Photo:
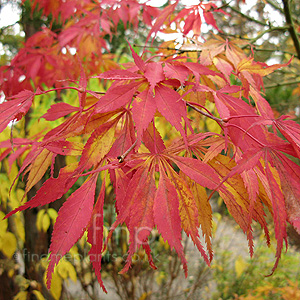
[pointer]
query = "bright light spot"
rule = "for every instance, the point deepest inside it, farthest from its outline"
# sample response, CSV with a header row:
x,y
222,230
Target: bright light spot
x,y
155,3
72,50
2,97
190,2
10,14
159,3
21,78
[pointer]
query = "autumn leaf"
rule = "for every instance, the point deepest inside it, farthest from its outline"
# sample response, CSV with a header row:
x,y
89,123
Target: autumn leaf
x,y
166,215
59,110
72,220
95,235
15,108
51,190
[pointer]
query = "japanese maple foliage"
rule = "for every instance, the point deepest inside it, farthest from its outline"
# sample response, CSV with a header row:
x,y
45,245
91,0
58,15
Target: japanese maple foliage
x,y
158,183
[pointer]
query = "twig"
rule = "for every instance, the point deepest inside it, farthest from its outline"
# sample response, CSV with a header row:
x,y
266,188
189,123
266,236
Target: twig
x,y
123,156
281,84
283,28
235,36
277,49
294,18
247,17
274,5
11,137
180,51
224,5
99,93
292,30
218,120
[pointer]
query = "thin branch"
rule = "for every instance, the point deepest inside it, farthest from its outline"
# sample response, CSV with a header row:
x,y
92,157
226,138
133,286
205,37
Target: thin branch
x,y
277,49
274,5
294,18
274,85
247,17
223,5
123,156
180,51
292,30
218,120
282,28
235,36
99,93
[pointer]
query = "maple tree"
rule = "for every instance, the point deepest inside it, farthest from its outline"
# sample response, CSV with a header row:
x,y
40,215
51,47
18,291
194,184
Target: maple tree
x,y
115,129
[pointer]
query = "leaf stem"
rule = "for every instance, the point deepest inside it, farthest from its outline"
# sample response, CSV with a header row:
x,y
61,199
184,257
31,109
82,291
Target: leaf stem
x,y
218,120
240,116
59,89
100,93
123,156
246,132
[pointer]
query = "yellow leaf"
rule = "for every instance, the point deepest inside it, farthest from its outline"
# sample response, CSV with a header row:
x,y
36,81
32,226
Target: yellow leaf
x,y
52,214
100,142
187,205
45,222
39,219
38,168
204,211
38,295
66,270
235,185
3,223
4,188
11,273
240,266
12,171
21,296
145,295
5,134
213,126
87,278
71,159
160,278
165,244
20,230
56,285
36,128
8,244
